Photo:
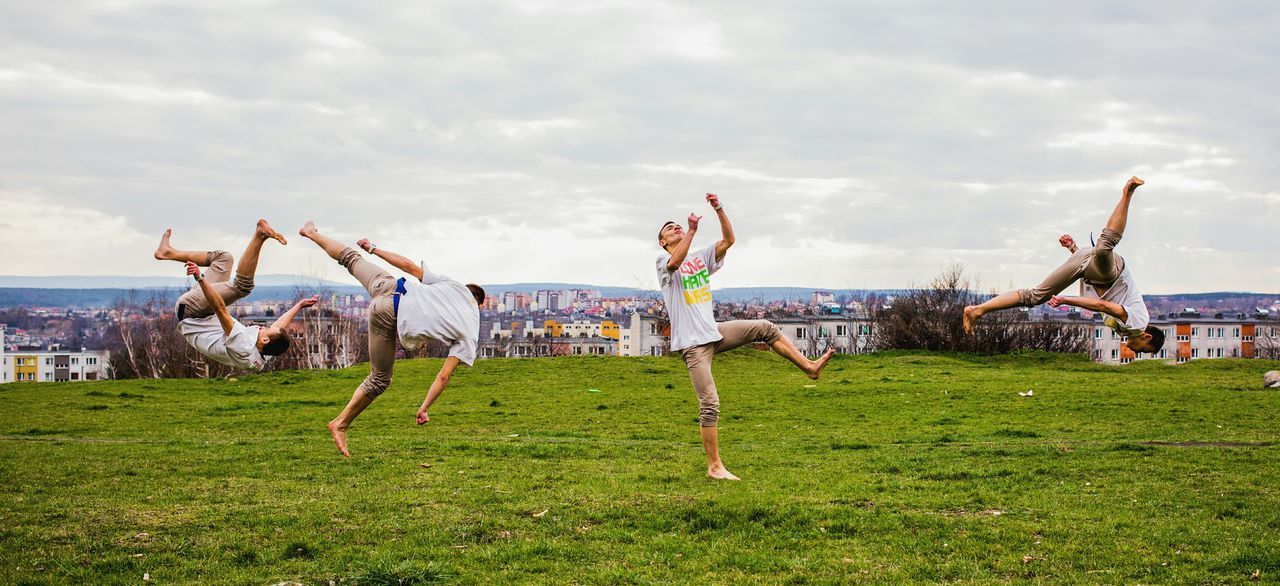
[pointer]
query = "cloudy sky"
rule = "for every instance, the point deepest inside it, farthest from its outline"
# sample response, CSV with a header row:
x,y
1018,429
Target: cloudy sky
x,y
537,140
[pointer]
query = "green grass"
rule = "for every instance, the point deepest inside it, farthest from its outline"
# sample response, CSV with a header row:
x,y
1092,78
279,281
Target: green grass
x,y
894,468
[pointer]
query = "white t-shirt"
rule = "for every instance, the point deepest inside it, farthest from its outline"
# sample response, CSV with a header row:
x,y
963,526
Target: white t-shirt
x,y
687,292
1125,293
439,308
238,349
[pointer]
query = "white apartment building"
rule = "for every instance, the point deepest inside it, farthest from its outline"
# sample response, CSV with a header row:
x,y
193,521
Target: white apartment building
x,y
1192,337
40,366
643,336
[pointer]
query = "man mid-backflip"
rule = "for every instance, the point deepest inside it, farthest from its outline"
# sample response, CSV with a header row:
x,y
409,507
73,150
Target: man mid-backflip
x,y
413,310
1108,285
686,288
202,313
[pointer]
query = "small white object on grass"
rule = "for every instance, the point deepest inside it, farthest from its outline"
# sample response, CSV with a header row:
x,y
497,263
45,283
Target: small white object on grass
x,y
1271,380
1029,393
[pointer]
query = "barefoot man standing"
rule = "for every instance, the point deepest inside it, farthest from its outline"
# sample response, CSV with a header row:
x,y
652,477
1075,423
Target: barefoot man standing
x,y
686,289
202,312
427,306
1109,287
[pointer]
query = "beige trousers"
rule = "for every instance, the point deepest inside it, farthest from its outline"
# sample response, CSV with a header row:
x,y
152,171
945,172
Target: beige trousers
x,y
1098,266
698,360
382,320
193,304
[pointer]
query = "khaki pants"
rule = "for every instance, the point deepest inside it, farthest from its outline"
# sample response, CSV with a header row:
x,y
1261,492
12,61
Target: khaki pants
x,y
698,360
382,320
193,303
1098,266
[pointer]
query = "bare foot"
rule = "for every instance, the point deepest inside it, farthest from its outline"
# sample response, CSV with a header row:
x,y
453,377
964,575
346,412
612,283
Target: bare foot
x,y
266,231
721,473
339,437
970,316
309,229
1132,184
165,250
821,363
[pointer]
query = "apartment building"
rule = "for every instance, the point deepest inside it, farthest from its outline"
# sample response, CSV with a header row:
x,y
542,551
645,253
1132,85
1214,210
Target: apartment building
x,y
1191,336
52,365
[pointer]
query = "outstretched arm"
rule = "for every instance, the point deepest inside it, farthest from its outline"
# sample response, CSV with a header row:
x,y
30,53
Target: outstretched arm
x,y
219,306
1112,309
681,249
726,229
395,260
283,321
437,387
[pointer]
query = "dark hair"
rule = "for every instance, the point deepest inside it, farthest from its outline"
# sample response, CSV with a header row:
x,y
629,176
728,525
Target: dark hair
x,y
1157,339
477,292
278,345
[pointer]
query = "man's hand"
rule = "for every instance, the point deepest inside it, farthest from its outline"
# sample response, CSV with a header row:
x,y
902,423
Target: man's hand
x,y
1067,241
365,245
422,416
308,302
193,269
693,222
714,200
1056,301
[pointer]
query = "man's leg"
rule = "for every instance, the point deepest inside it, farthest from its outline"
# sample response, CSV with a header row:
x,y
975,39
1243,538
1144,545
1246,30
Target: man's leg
x,y
382,359
1105,267
248,266
698,360
370,275
1061,278
741,332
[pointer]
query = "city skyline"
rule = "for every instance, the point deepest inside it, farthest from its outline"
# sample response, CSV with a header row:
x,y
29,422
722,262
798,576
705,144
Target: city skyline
x,y
514,141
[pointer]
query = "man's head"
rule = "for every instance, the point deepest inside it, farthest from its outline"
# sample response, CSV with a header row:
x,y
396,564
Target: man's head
x,y
477,292
1150,341
273,341
670,235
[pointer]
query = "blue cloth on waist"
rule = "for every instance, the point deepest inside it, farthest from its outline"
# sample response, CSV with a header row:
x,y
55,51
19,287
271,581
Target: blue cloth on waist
x,y
395,297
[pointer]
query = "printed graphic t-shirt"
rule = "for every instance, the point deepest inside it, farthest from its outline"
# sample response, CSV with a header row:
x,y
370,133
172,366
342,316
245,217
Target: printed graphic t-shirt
x,y
439,308
238,349
687,292
1125,293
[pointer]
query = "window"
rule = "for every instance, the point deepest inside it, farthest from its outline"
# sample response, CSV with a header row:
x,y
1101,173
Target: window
x,y
75,376
842,330
799,333
1114,353
1184,338
1097,354
1162,352
91,360
48,376
75,360
864,330
1247,338
1235,332
48,360
1097,333
1195,331
1182,359
1195,352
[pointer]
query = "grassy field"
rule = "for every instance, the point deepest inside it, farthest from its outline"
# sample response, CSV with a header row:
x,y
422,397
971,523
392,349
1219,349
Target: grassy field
x,y
893,468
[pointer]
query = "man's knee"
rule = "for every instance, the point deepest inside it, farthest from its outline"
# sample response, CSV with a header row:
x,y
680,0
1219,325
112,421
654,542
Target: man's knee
x,y
709,413
1032,297
220,260
243,284
1108,239
375,384
768,332
348,257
